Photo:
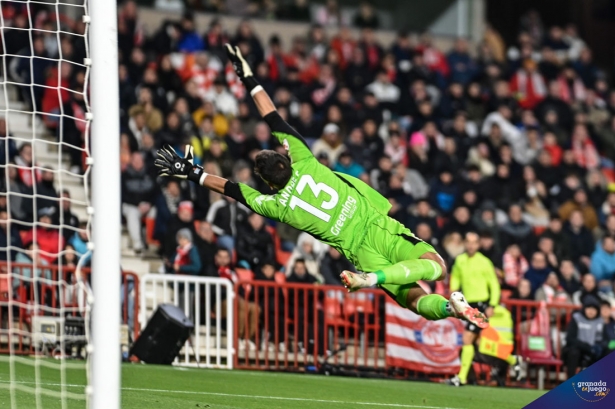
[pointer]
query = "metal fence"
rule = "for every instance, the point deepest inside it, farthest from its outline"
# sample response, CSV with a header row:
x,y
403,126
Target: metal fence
x,y
51,292
208,302
301,327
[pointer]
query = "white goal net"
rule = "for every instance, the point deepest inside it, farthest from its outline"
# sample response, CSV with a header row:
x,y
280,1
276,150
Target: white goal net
x,y
45,210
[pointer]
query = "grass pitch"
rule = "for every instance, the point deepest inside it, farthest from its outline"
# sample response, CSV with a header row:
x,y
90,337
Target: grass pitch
x,y
150,387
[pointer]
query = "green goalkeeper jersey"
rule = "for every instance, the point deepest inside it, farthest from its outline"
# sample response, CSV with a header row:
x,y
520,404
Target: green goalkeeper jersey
x,y
334,208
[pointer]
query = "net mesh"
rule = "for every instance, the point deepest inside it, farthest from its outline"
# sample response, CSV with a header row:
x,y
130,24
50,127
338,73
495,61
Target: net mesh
x,y
45,213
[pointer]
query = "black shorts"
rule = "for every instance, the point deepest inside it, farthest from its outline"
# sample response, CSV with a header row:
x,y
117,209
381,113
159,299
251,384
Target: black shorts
x,y
481,306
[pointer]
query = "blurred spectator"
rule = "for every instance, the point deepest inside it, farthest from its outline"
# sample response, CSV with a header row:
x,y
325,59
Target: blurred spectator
x,y
561,241
545,246
463,68
311,251
254,244
366,17
184,219
225,216
48,240
166,207
272,312
8,149
529,85
522,292
288,236
581,241
9,236
145,106
65,216
29,172
138,194
47,196
190,40
224,101
588,289
332,264
329,143
569,277
346,164
551,291
603,261
608,339
583,337
247,311
515,266
538,271
608,208
516,230
187,260
205,243
580,203
23,276
79,242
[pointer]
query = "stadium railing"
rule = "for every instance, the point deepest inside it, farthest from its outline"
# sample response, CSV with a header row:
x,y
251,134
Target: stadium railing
x,y
56,291
208,302
548,362
300,327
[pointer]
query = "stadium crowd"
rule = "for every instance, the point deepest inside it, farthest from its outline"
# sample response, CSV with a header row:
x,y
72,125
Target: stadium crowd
x,y
515,142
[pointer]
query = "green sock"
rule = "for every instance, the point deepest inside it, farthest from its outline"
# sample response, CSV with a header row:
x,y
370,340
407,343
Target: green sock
x,y
467,356
433,307
409,271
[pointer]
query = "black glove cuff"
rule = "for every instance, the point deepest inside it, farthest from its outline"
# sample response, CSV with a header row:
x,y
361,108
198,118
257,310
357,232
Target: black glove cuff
x,y
195,174
250,83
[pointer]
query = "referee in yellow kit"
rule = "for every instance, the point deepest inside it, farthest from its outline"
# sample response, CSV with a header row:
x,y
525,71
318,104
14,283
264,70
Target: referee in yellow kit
x,y
474,274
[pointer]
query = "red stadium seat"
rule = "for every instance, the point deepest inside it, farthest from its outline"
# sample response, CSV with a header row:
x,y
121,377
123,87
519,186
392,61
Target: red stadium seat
x,y
244,274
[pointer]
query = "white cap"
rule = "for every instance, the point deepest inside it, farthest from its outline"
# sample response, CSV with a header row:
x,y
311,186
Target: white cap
x,y
331,128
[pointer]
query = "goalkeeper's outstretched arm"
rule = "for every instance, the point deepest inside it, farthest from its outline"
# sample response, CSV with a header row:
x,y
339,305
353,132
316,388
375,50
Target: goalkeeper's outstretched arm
x,y
169,163
286,134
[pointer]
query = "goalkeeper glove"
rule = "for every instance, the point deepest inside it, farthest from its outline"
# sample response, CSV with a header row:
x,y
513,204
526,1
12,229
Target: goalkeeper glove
x,y
169,163
242,68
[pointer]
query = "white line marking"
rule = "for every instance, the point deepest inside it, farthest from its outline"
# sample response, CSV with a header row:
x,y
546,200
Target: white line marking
x,y
391,405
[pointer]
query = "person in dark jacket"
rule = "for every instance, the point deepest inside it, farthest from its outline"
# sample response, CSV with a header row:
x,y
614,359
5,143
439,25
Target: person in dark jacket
x,y
443,192
254,242
583,337
184,219
205,242
608,338
138,194
332,263
225,216
9,236
561,241
581,241
272,312
66,216
516,230
538,272
47,196
303,298
568,277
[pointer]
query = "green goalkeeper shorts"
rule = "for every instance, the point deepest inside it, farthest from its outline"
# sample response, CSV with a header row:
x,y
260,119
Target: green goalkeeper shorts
x,y
388,242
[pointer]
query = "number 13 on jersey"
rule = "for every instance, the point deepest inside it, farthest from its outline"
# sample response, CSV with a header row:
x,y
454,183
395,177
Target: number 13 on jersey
x,y
316,188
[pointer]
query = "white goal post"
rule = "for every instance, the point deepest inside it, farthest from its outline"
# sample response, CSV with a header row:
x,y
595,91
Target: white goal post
x,y
104,382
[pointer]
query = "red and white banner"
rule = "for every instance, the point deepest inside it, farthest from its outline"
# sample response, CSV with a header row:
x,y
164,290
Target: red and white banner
x,y
414,343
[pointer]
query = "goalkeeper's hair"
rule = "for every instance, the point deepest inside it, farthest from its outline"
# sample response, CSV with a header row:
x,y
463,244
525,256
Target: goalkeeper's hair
x,y
273,167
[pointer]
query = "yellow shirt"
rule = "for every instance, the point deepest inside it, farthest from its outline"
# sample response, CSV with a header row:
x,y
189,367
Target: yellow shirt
x,y
475,277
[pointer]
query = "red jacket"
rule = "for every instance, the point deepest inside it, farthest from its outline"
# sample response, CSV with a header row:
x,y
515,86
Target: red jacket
x,y
50,242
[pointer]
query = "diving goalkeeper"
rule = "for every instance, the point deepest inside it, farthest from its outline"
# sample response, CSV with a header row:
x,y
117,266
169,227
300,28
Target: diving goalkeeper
x,y
335,208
